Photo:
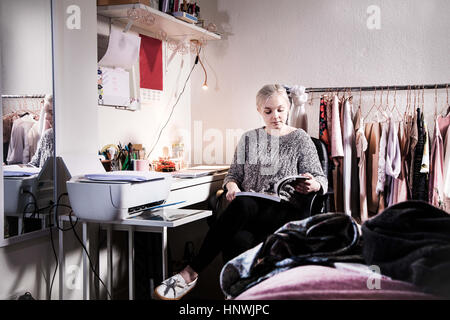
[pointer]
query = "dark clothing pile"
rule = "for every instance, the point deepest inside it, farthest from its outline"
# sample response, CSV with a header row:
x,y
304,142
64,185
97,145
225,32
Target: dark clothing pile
x,y
321,240
410,241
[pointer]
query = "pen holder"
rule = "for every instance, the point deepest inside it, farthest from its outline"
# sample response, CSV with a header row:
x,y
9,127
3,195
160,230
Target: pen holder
x,y
141,165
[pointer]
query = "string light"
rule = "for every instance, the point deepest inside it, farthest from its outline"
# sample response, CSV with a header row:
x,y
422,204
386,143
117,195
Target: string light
x,y
198,45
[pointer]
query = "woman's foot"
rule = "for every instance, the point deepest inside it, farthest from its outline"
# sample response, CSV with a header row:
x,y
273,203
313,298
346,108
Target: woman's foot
x,y
189,274
177,286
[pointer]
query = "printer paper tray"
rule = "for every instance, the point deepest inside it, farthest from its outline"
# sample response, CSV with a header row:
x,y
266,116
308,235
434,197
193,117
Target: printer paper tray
x,y
175,218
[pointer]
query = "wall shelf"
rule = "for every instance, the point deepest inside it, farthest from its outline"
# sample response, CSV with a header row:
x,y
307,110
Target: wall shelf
x,y
173,27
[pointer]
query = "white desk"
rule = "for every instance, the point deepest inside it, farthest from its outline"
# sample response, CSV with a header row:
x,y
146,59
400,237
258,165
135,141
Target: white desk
x,y
191,191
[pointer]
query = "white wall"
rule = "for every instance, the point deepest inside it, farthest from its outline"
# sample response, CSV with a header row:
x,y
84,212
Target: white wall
x,y
75,79
144,125
25,42
316,43
29,265
26,69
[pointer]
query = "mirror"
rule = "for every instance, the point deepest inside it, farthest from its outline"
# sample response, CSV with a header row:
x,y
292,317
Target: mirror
x,y
27,112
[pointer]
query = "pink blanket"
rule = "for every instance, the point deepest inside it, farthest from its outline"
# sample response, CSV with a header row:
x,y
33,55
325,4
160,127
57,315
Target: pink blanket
x,y
319,282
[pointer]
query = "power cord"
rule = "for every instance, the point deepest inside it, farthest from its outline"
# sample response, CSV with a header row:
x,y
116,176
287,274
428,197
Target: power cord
x,y
36,209
72,227
173,108
51,238
89,257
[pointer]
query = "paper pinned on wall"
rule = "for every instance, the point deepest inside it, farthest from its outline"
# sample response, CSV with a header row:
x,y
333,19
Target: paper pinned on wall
x,y
123,49
115,87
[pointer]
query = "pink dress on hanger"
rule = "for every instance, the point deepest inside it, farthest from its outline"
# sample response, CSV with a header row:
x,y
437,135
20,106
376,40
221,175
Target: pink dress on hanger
x,y
443,123
337,149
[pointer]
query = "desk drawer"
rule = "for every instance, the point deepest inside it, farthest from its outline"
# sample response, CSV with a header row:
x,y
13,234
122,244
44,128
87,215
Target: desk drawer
x,y
193,194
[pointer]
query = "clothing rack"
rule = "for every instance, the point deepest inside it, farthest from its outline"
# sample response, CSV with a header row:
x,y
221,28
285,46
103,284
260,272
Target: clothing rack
x,y
379,88
25,103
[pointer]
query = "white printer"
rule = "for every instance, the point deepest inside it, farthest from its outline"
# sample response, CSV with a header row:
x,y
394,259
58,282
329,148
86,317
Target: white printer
x,y
112,196
23,186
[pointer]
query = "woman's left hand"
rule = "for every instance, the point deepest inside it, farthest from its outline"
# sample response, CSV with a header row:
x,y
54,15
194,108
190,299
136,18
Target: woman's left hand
x,y
308,185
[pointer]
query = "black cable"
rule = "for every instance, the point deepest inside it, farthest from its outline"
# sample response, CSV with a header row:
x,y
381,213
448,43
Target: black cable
x,y
78,238
51,236
173,108
53,244
57,264
33,213
89,257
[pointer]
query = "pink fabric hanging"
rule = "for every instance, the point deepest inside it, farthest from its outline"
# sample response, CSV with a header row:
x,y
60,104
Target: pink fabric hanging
x,y
436,187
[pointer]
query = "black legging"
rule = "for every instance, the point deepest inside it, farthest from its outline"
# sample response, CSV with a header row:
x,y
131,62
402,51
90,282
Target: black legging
x,y
257,216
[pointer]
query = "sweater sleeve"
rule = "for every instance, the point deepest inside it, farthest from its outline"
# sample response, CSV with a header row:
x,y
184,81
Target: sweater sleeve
x,y
236,171
308,161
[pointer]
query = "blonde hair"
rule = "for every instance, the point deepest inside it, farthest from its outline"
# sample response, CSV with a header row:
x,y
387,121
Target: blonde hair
x,y
48,103
269,90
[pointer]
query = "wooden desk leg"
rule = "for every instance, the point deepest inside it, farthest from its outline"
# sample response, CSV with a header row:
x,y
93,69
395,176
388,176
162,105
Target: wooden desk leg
x,y
164,252
109,277
62,261
86,271
131,262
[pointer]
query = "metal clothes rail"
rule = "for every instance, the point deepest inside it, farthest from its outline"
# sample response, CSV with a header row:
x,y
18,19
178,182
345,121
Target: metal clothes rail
x,y
379,88
25,96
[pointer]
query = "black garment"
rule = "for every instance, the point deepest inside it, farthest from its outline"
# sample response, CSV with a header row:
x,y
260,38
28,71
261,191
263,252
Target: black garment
x,y
325,235
318,240
410,241
251,219
420,180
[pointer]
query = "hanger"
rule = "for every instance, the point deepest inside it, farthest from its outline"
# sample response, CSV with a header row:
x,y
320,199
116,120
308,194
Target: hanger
x,y
387,99
423,97
311,99
381,111
435,103
408,100
360,98
448,105
415,99
395,106
373,105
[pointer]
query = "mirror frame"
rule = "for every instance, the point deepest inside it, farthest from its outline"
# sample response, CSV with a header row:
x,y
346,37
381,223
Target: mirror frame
x,y
43,232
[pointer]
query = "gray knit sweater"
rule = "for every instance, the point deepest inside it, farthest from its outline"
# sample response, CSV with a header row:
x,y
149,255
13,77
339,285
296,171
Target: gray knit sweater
x,y
261,159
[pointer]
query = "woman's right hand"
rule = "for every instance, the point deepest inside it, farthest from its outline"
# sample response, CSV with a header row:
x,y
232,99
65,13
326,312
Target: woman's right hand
x,y
232,188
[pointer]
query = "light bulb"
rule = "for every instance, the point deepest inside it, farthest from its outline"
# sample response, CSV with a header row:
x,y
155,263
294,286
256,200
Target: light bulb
x,y
205,86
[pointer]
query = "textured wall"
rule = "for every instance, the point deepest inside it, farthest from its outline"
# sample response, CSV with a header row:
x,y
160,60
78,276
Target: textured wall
x,y
316,43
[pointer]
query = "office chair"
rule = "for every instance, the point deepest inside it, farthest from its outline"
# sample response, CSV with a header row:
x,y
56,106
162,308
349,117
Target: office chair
x,y
315,204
